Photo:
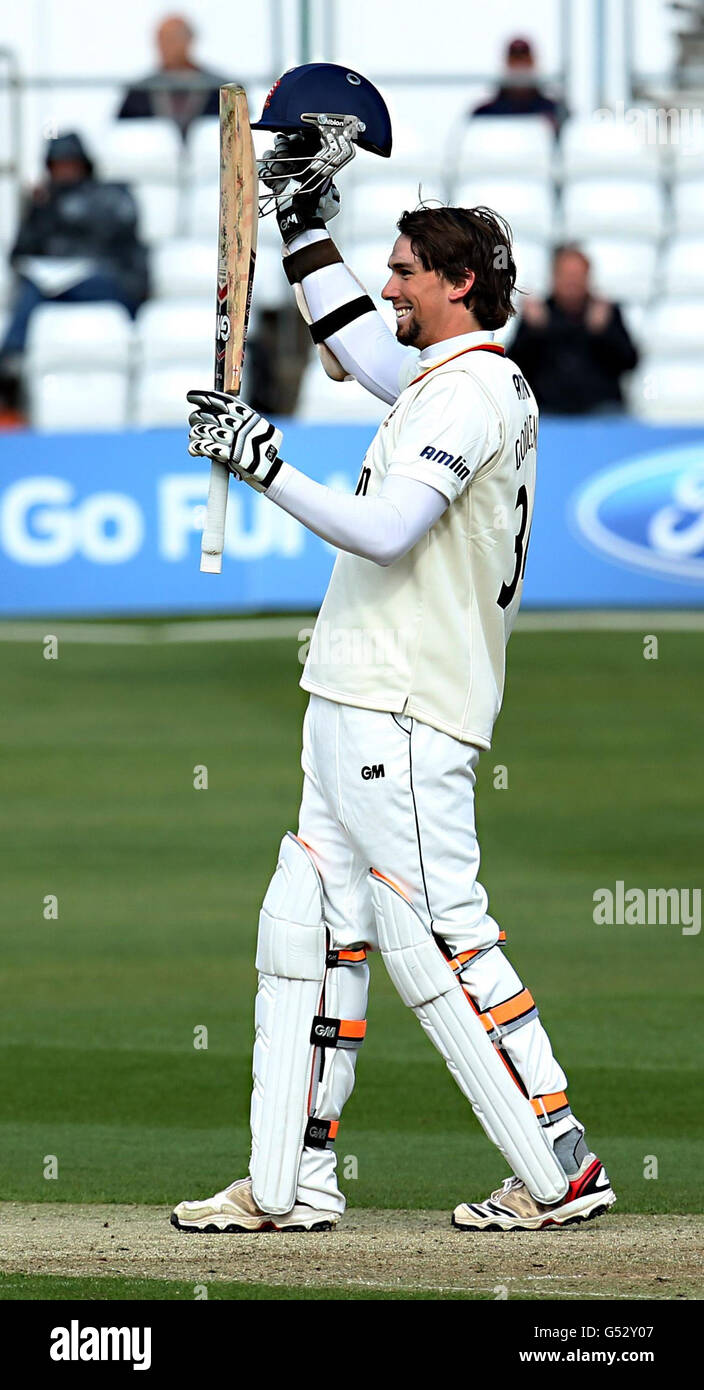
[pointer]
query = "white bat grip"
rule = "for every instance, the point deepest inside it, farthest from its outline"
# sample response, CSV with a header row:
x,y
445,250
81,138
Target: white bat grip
x,y
213,541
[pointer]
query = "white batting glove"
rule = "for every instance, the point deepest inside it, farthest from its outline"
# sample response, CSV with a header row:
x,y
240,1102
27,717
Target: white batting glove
x,y
223,427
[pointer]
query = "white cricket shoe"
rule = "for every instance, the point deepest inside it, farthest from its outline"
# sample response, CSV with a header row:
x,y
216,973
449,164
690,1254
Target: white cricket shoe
x,y
235,1210
512,1207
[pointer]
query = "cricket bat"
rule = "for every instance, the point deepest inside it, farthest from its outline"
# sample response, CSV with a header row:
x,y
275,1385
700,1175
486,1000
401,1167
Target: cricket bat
x,y
237,246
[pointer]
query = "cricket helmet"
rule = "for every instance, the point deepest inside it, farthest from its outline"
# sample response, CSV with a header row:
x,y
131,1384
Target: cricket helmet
x,y
307,94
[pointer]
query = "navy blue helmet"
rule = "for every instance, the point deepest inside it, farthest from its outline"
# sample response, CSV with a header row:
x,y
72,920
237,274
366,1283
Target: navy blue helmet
x,y
328,89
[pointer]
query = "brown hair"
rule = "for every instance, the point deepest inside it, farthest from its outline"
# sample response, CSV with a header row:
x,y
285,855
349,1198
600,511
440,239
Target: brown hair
x,y
452,241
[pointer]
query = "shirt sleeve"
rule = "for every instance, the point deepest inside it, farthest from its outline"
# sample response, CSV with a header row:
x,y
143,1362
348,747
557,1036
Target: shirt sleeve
x,y
381,528
366,348
451,430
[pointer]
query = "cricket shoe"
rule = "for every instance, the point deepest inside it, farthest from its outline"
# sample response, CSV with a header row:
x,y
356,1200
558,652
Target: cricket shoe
x,y
234,1210
512,1207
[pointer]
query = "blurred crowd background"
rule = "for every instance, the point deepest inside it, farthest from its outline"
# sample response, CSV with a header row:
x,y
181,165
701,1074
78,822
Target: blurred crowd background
x,y
580,123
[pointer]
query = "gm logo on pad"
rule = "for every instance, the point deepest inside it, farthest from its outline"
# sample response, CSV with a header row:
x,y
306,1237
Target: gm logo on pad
x,y
648,513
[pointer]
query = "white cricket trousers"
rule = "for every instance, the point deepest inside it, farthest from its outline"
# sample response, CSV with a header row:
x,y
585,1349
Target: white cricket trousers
x,y
388,792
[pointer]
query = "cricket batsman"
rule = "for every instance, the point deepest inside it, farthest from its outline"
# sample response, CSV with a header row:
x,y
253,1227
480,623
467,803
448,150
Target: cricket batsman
x,y
425,590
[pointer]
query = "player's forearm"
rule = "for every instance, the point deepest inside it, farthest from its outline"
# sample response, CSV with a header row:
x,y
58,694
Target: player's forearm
x,y
357,334
381,528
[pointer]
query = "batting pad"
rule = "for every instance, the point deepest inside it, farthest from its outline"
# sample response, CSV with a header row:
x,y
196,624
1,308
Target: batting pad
x,y
291,963
428,985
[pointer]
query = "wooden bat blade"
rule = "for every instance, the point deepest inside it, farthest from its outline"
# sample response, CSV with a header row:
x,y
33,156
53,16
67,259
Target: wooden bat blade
x,y
237,246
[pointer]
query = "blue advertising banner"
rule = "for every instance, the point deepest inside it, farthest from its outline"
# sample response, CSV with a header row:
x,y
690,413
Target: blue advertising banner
x,y
100,524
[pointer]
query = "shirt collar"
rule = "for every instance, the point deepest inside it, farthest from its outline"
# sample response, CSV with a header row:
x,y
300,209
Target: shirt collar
x,y
450,346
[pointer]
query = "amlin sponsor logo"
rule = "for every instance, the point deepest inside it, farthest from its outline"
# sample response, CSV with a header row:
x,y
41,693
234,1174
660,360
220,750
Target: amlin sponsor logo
x,y
648,513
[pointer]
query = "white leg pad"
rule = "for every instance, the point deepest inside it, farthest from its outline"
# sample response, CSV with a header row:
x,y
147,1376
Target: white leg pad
x,y
291,964
426,982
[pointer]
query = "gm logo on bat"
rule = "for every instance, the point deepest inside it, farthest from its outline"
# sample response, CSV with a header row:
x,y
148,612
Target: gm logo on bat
x,y
223,327
648,513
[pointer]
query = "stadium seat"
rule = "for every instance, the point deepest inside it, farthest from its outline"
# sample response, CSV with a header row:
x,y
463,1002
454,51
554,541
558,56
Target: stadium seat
x,y
373,205
184,269
622,268
70,336
369,262
142,151
160,395
600,147
501,145
676,327
79,400
687,150
320,398
159,211
688,206
203,150
683,266
202,208
181,332
593,207
668,390
533,267
526,204
635,317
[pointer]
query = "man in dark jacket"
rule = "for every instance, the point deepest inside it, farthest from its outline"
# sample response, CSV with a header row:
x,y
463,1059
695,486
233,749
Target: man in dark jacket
x,y
77,242
160,95
519,93
574,347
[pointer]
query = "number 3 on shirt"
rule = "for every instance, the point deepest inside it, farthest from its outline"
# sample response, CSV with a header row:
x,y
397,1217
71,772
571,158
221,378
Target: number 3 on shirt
x,y
521,550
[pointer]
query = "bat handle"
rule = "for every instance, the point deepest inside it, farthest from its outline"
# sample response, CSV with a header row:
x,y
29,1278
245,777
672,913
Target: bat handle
x,y
213,540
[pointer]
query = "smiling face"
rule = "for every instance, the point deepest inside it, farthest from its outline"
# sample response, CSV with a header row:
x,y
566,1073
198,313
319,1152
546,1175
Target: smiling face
x,y
428,307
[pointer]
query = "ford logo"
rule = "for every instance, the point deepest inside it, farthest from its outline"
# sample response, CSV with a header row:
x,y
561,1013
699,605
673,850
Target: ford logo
x,y
648,513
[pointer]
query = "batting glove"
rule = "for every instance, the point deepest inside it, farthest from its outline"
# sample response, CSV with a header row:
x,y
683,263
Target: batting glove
x,y
298,171
224,428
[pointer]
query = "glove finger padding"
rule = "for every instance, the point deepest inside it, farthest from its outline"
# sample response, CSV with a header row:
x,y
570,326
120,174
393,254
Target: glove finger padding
x,y
211,402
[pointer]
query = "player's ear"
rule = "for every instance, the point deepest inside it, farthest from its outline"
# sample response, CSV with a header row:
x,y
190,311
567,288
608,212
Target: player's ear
x,y
462,287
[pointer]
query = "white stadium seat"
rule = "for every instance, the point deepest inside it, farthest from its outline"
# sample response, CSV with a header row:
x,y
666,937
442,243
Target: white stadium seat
x,y
533,267
676,327
374,205
79,400
202,211
159,210
171,331
184,269
526,204
506,145
607,146
594,207
635,317
322,399
670,389
683,266
203,150
142,151
687,150
622,268
688,206
160,395
70,336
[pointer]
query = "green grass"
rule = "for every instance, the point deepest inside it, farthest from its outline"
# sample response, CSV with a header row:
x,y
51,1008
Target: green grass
x,y
159,887
25,1287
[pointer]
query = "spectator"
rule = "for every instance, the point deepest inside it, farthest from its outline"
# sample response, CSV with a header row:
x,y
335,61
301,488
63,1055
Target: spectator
x,y
519,94
156,95
574,347
77,242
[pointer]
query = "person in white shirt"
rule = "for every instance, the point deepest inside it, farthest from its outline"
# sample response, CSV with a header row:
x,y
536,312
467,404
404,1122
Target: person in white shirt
x,y
406,675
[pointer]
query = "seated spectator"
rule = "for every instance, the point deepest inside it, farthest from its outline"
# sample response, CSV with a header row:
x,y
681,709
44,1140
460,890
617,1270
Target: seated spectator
x,y
574,347
156,95
77,242
519,94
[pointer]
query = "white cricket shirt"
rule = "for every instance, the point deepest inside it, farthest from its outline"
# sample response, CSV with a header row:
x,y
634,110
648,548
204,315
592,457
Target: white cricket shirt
x,y
426,636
